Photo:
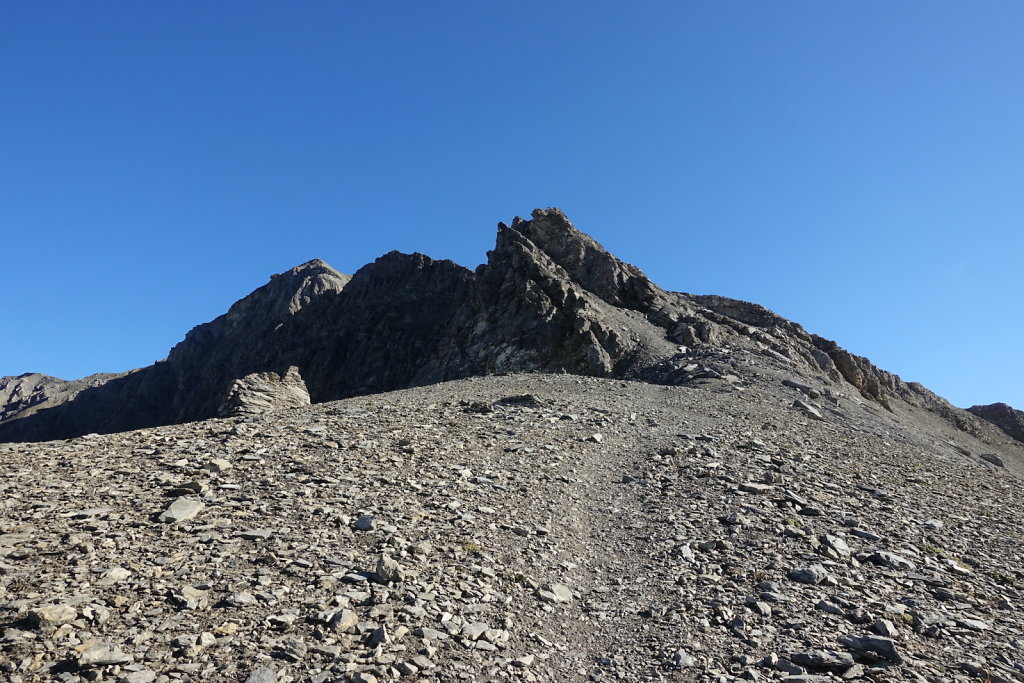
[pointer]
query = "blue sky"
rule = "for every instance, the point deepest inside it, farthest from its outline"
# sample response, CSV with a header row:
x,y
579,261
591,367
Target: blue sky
x,y
854,166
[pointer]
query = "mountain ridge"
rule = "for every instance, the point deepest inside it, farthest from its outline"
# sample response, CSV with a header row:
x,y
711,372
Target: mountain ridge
x,y
549,298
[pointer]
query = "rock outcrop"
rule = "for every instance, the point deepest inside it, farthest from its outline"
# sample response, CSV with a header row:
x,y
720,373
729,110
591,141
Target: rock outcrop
x,y
1003,416
261,392
548,299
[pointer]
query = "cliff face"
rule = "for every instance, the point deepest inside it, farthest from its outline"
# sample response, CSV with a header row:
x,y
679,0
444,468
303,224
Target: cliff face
x,y
548,299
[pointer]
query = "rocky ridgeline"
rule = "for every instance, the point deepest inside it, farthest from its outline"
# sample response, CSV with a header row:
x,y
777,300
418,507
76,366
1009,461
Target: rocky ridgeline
x,y
534,527
549,299
1003,416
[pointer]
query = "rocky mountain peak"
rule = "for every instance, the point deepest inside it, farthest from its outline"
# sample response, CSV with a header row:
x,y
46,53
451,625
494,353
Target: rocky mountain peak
x,y
549,299
585,261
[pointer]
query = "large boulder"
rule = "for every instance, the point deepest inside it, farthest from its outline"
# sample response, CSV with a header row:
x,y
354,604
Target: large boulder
x,y
260,392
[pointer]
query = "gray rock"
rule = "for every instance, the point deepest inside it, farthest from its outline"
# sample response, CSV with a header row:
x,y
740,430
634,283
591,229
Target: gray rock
x,y
388,571
262,674
812,574
883,647
823,659
555,592
181,510
365,523
49,617
884,558
102,654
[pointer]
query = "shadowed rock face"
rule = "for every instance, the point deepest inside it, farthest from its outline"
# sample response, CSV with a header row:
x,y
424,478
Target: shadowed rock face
x,y
1003,416
31,392
548,299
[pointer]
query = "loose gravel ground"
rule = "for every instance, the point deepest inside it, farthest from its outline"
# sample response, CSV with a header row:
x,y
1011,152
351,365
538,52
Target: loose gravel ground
x,y
532,527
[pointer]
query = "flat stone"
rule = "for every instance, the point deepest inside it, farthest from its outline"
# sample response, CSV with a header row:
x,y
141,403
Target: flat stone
x,y
475,630
884,558
52,616
883,647
103,654
555,592
823,659
262,674
255,534
365,523
812,574
181,510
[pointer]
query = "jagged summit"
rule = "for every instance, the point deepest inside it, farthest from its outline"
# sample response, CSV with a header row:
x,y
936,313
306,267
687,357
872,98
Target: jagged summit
x,y
549,299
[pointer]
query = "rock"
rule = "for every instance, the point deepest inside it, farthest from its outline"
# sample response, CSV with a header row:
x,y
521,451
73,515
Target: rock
x,y
812,574
255,534
49,617
262,674
555,592
884,558
365,523
218,465
681,660
102,654
260,392
388,571
808,410
523,662
883,647
181,510
823,659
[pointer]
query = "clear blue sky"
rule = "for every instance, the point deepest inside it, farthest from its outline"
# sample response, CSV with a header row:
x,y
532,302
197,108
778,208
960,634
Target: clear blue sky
x,y
855,166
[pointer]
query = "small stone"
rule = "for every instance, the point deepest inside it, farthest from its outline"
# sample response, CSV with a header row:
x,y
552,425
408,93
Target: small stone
x,y
255,534
823,659
50,617
883,647
475,630
813,574
181,510
217,465
555,592
595,438
365,523
884,558
388,571
262,675
681,660
103,654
